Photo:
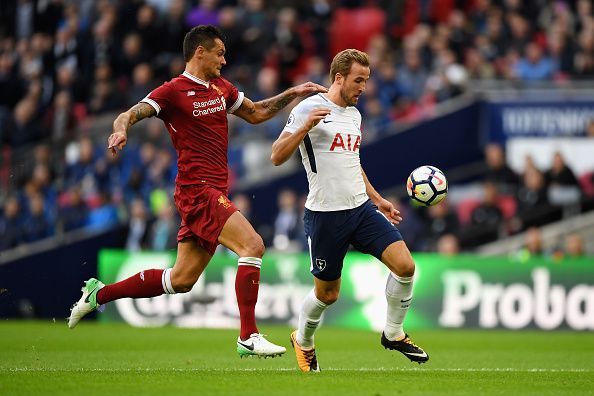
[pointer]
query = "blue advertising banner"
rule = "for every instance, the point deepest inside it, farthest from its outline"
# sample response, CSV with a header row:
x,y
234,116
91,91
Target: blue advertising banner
x,y
553,118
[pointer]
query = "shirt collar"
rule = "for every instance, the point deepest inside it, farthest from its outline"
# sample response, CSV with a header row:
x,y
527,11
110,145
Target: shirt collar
x,y
196,79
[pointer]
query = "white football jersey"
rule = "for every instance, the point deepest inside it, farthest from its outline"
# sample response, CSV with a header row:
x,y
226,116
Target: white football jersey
x,y
330,155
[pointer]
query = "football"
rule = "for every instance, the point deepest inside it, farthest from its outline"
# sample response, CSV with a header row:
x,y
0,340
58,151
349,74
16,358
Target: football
x,y
427,186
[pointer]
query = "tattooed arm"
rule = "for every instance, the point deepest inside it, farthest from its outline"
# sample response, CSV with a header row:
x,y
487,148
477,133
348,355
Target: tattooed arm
x,y
117,140
263,110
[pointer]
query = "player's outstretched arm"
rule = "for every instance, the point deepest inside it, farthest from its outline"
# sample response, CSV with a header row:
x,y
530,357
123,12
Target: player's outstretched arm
x,y
287,142
385,206
118,138
263,110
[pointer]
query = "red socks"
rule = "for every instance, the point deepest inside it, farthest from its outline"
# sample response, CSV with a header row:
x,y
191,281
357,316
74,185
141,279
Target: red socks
x,y
154,282
148,283
247,283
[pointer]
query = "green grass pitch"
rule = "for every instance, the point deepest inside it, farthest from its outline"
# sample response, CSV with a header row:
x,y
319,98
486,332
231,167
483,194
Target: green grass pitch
x,y
115,359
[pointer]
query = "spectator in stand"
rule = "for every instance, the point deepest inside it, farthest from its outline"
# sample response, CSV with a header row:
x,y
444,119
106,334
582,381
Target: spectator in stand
x,y
560,174
71,81
563,186
12,86
534,208
173,29
36,225
376,121
104,95
267,83
498,172
41,155
561,49
142,82
533,245
25,127
386,85
441,220
105,215
519,31
412,228
315,72
534,66
149,28
486,220
488,214
584,58
529,165
74,214
289,47
448,245
11,224
205,13
255,37
412,75
317,14
287,224
139,226
42,181
231,25
133,53
80,166
66,47
574,246
108,173
101,47
244,205
161,171
60,119
163,232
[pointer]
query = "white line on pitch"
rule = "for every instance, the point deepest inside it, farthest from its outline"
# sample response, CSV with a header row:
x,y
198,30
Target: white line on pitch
x,y
361,369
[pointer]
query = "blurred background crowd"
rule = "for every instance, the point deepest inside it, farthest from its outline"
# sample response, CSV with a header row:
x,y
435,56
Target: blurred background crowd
x,y
68,67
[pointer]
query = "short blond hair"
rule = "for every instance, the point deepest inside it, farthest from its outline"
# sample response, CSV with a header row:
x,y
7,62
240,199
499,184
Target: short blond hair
x,y
343,61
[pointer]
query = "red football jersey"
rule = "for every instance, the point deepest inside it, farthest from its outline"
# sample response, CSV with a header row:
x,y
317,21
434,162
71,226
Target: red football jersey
x,y
195,114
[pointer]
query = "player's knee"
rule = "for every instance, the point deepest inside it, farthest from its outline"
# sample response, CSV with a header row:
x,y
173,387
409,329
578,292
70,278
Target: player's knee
x,y
327,296
183,284
254,247
406,268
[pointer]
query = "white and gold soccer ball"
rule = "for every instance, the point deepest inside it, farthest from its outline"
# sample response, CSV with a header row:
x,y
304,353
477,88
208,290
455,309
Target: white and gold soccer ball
x,y
427,186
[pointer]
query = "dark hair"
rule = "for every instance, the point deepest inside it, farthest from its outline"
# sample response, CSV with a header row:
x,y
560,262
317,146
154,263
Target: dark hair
x,y
203,35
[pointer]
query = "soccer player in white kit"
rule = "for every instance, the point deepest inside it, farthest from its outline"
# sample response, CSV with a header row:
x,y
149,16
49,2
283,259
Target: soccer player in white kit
x,y
343,208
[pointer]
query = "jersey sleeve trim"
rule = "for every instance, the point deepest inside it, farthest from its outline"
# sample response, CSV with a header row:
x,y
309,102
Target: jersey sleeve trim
x,y
237,103
154,104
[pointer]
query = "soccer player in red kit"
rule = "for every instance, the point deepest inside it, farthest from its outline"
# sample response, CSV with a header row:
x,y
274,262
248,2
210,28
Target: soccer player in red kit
x,y
194,107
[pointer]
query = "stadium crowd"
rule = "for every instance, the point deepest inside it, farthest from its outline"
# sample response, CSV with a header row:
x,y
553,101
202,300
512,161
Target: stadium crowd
x,y
65,64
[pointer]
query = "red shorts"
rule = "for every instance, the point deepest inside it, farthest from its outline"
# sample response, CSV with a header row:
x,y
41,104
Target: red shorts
x,y
204,210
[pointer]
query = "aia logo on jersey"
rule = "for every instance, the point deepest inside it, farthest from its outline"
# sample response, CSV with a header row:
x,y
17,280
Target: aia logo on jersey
x,y
346,142
224,201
